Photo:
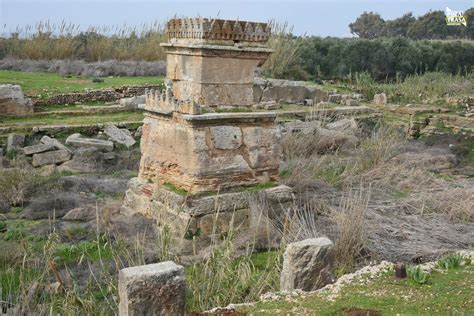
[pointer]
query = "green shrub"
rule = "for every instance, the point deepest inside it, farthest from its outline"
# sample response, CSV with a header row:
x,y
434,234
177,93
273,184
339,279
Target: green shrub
x,y
417,275
451,261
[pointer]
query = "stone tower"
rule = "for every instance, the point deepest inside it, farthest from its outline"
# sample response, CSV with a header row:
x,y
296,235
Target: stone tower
x,y
197,159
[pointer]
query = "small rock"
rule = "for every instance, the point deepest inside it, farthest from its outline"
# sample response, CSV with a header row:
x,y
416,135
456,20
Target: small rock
x,y
121,136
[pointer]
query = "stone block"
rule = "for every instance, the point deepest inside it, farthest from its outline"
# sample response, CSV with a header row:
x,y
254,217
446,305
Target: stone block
x,y
223,222
210,152
56,143
77,141
51,158
35,149
154,289
226,137
15,142
380,99
307,265
13,102
334,98
352,102
120,135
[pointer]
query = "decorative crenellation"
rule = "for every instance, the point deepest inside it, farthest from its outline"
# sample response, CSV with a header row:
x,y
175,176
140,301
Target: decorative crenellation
x,y
166,103
218,29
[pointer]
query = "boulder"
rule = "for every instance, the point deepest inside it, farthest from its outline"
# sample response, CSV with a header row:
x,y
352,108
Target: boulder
x,y
13,102
54,142
80,214
35,149
380,99
15,142
343,125
307,265
77,140
120,135
51,158
154,289
329,140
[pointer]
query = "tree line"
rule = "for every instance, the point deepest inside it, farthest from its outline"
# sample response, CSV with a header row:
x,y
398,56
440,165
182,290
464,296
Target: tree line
x,y
432,25
383,58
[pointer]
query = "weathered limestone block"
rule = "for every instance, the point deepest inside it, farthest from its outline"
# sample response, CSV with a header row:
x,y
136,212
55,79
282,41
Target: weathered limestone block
x,y
352,102
213,75
35,149
380,99
307,265
120,135
154,289
15,142
50,158
210,152
56,143
77,140
226,137
334,98
13,102
223,222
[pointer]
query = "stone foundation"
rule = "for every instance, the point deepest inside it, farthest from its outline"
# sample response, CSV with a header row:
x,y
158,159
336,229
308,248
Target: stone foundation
x,y
197,222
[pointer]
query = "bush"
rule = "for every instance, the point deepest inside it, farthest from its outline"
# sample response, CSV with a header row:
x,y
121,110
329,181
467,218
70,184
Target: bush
x,y
451,261
417,275
15,182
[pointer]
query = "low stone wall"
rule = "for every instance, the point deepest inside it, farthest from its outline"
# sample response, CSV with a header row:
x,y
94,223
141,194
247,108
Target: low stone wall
x,y
104,95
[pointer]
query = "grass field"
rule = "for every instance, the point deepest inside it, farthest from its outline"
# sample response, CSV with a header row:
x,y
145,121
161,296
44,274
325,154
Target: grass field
x,y
449,292
42,83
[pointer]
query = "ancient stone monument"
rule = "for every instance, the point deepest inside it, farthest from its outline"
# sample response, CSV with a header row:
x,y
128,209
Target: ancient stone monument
x,y
197,158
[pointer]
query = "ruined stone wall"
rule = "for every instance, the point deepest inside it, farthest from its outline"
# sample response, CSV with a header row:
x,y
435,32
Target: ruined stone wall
x,y
210,152
104,95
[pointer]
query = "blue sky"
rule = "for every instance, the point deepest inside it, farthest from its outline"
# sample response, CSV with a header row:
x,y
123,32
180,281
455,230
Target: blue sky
x,y
323,18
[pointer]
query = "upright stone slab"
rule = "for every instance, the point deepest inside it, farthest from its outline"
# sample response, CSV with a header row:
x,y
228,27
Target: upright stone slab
x,y
154,289
13,102
15,142
307,265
